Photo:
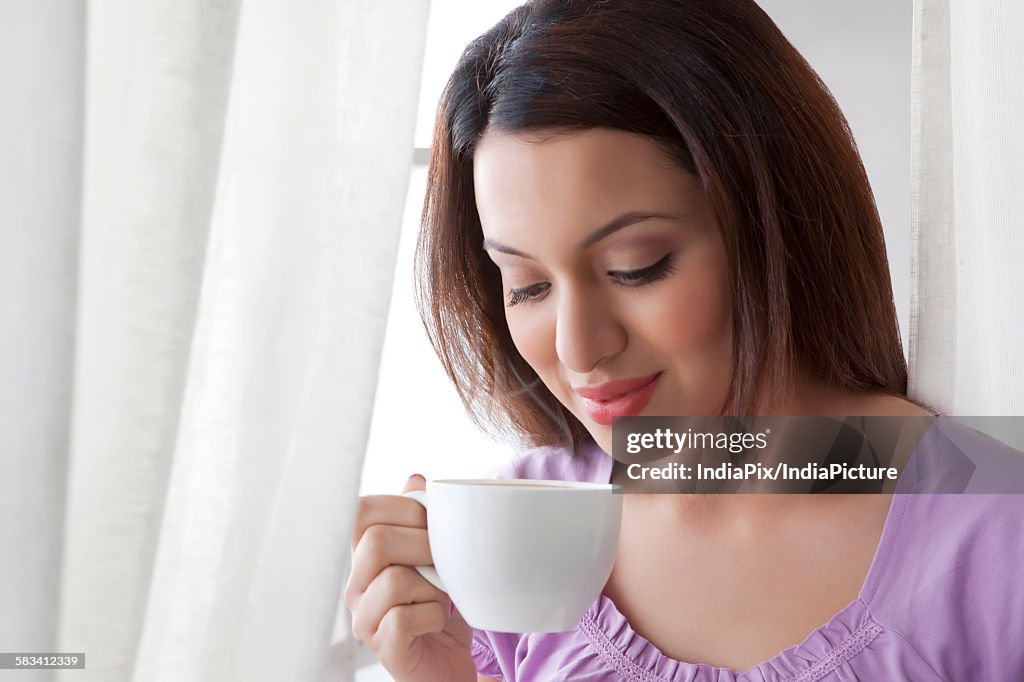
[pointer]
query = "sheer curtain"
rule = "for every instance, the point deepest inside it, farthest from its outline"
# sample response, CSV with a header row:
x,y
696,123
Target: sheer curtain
x,y
225,280
967,312
41,47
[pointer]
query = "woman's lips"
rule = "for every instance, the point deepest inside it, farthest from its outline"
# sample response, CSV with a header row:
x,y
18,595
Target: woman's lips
x,y
622,398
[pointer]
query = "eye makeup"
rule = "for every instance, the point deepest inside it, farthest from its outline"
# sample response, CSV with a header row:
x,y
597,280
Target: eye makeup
x,y
658,270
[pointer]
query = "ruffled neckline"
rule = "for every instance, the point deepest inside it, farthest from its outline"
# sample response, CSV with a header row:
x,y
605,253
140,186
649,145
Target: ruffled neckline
x,y
636,658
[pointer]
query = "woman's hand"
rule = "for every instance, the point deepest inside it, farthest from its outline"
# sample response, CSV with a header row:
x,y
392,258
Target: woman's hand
x,y
396,613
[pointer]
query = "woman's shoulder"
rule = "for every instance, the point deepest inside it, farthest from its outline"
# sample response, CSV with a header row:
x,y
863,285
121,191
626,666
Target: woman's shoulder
x,y
965,493
947,575
587,462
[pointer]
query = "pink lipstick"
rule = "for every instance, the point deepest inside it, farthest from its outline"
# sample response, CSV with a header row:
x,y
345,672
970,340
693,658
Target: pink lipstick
x,y
620,398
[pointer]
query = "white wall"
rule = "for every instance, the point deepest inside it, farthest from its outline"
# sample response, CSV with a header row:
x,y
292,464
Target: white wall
x,y
862,50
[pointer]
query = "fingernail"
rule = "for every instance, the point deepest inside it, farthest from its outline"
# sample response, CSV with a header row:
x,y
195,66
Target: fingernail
x,y
419,476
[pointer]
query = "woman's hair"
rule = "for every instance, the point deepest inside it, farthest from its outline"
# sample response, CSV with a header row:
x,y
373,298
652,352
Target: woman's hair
x,y
722,91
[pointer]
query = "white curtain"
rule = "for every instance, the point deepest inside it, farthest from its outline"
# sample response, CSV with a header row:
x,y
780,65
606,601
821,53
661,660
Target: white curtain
x,y
244,169
967,311
41,49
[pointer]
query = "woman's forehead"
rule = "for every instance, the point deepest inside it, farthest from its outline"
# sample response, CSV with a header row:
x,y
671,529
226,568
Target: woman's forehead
x,y
575,190
594,170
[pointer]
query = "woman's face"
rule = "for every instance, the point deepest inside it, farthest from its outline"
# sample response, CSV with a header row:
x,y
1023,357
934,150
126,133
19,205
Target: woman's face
x,y
614,274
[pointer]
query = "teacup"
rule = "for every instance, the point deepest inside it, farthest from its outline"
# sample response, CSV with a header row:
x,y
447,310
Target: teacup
x,y
519,555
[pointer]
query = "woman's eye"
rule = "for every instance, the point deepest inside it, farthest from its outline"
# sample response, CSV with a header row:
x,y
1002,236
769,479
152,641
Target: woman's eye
x,y
652,273
533,292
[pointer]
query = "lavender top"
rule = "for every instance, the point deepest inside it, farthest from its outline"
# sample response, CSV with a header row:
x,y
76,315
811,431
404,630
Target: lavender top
x,y
943,598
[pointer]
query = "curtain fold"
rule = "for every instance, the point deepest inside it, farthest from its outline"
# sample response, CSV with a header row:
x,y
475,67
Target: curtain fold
x,y
41,49
967,312
244,174
156,79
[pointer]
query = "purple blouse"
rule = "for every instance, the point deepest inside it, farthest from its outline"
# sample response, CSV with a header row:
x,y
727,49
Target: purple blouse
x,y
943,598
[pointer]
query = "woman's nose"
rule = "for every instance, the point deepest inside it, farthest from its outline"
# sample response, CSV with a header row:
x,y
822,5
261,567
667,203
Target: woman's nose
x,y
587,332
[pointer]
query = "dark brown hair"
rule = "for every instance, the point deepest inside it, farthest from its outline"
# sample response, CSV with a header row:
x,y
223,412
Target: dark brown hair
x,y
717,85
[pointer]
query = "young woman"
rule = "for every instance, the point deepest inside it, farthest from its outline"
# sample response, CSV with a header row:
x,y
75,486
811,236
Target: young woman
x,y
655,207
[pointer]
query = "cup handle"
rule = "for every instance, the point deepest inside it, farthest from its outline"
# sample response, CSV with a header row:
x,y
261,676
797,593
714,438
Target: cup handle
x,y
427,572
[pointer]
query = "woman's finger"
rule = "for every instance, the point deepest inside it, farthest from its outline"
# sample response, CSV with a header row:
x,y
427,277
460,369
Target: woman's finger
x,y
395,585
391,510
382,546
405,622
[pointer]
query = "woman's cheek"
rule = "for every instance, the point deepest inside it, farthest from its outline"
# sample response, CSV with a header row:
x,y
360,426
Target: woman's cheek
x,y
534,338
671,310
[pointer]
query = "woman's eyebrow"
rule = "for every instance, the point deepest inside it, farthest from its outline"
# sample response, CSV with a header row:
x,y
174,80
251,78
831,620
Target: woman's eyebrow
x,y
624,220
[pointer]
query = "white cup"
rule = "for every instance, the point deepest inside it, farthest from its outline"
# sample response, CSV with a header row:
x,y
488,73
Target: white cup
x,y
518,555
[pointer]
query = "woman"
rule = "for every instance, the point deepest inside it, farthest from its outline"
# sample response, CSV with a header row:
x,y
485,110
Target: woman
x,y
655,207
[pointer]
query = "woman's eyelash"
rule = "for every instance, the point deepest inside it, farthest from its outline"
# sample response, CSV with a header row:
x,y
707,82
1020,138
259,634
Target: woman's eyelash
x,y
652,273
530,293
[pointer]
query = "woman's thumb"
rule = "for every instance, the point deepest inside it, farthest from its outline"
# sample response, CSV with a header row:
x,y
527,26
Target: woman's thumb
x,y
415,482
